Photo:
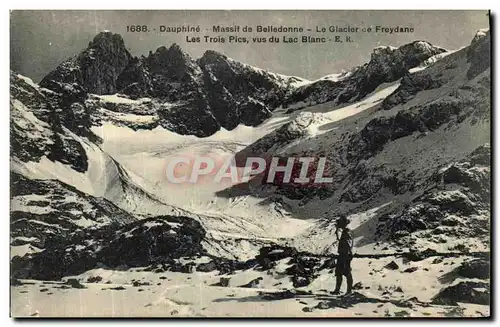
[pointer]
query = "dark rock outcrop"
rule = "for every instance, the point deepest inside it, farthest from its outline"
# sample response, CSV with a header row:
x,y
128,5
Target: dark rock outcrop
x,y
135,80
467,292
456,197
392,266
189,118
207,94
59,213
410,85
148,241
477,268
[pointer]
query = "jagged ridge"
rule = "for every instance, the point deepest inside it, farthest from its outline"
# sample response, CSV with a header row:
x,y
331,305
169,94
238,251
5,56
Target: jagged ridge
x,y
203,95
387,64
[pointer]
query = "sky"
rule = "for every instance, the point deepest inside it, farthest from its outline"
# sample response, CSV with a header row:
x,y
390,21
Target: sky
x,y
40,40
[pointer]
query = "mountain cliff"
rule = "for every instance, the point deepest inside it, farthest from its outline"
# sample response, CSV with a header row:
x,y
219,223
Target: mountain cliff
x,y
421,151
202,95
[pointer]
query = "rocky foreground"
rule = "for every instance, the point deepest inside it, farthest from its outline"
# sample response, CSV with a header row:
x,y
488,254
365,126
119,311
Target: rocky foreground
x,y
279,282
158,267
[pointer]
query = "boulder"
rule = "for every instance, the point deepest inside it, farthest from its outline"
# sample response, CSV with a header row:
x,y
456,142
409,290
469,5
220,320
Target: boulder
x,y
467,292
477,268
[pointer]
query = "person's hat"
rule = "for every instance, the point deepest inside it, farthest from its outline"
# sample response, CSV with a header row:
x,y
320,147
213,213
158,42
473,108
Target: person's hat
x,y
343,220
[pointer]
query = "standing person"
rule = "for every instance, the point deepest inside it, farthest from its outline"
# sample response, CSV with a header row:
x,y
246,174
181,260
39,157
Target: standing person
x,y
343,267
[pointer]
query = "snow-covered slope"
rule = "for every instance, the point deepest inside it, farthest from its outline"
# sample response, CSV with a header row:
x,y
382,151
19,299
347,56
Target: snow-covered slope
x,y
394,147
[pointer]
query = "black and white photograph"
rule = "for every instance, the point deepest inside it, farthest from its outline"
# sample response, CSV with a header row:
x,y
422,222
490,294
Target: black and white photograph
x,y
250,164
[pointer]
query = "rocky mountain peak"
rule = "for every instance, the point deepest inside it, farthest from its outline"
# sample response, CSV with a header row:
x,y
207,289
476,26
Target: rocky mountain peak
x,y
405,57
171,53
387,64
107,39
176,49
211,57
96,68
172,62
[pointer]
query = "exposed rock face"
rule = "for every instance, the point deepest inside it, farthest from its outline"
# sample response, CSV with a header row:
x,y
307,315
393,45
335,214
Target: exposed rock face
x,y
252,92
391,62
174,75
479,54
139,243
477,268
427,117
392,266
135,80
154,239
387,64
409,87
57,206
409,155
253,113
96,69
190,117
38,125
456,202
210,93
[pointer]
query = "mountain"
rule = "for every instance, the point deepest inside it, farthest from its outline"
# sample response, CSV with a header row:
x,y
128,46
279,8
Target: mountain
x,y
194,96
387,64
201,96
96,69
419,152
